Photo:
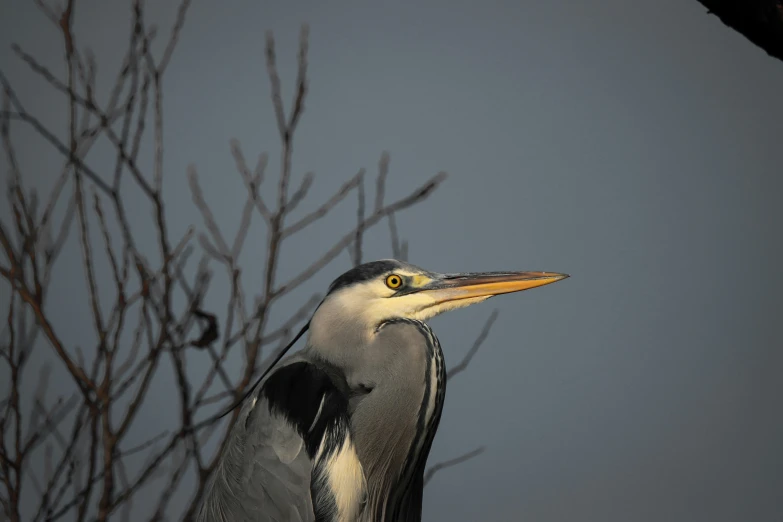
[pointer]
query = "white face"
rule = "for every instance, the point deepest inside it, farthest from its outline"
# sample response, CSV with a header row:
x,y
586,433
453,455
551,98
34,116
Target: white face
x,y
356,310
372,302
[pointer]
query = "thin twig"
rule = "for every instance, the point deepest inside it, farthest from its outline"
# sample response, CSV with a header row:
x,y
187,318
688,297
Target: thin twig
x,y
450,463
482,336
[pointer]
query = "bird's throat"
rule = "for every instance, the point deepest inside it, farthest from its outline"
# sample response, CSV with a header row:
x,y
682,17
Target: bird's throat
x,y
394,437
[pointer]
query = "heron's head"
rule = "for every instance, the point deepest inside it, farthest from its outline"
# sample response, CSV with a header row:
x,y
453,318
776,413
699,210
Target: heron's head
x,y
388,371
370,294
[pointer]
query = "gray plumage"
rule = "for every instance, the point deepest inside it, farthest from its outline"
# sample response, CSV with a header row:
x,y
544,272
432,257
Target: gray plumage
x,y
341,431
263,472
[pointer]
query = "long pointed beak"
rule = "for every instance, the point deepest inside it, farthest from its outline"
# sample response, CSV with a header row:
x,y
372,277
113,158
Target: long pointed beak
x,y
450,287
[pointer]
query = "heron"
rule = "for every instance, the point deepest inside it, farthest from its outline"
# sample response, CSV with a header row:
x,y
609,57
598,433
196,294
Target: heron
x,y
341,430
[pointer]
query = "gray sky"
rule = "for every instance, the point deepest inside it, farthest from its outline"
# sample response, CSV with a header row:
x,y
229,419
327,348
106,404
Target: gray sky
x,y
635,146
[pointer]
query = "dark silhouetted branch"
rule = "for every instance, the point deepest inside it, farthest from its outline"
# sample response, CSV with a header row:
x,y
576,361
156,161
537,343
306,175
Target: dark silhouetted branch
x,y
482,336
450,463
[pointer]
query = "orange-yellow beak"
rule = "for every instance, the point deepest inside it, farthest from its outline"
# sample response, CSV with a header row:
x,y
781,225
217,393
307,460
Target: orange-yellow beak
x,y
450,287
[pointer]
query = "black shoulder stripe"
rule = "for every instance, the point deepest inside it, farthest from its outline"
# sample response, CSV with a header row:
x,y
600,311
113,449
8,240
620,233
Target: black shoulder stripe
x,y
301,392
306,397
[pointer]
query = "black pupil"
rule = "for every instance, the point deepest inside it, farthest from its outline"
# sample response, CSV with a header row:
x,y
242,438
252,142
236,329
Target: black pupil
x,y
394,281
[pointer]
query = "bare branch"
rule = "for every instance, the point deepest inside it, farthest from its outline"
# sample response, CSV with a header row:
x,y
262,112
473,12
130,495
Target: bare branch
x,y
463,364
146,302
357,253
324,209
301,192
380,183
206,212
301,80
178,24
450,463
418,195
252,183
274,80
49,136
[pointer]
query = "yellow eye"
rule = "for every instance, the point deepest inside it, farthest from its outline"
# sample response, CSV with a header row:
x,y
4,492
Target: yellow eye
x,y
393,281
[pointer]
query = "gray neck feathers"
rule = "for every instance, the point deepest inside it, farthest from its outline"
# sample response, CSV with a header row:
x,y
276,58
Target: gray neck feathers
x,y
396,385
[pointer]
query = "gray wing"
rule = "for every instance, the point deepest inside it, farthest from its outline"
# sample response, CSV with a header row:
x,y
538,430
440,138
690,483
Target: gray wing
x,y
288,436
264,471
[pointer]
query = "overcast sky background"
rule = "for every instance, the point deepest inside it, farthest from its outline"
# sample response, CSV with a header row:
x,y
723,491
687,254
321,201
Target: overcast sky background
x,y
633,145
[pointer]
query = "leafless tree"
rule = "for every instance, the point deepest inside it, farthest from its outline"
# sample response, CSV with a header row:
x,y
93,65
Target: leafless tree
x,y
149,313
